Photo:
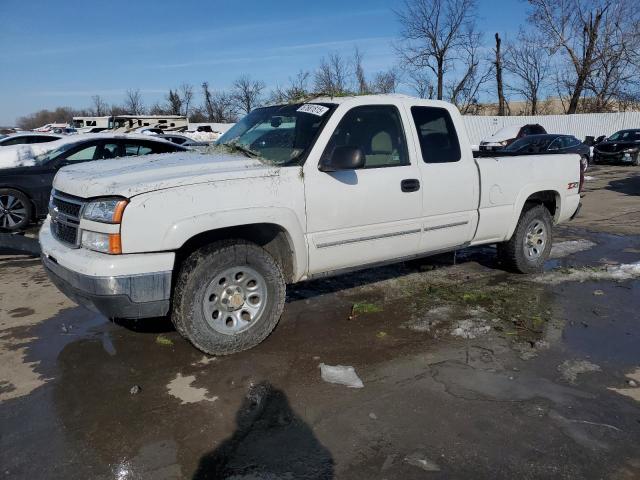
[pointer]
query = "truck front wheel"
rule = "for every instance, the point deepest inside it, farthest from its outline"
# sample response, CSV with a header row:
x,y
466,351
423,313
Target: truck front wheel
x,y
228,297
530,244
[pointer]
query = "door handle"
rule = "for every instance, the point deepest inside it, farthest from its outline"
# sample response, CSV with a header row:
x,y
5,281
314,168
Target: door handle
x,y
410,185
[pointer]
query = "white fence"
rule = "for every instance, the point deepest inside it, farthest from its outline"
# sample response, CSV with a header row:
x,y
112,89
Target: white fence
x,y
579,125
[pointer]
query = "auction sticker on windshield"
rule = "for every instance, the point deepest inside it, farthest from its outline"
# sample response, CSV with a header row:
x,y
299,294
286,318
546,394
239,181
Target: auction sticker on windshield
x,y
318,110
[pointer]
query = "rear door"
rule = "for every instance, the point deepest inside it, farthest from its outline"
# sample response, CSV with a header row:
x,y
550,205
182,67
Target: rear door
x,y
366,215
449,177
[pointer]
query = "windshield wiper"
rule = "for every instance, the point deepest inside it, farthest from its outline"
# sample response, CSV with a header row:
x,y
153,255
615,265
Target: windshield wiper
x,y
241,148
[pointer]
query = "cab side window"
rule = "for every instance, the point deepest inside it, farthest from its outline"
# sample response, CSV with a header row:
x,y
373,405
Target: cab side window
x,y
377,131
438,137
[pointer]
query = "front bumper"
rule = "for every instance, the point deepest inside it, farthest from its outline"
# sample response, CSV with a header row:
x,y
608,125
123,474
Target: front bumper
x,y
617,157
118,286
133,296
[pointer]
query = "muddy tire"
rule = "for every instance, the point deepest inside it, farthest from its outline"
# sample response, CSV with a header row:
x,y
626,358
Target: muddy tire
x,y
16,210
228,297
530,244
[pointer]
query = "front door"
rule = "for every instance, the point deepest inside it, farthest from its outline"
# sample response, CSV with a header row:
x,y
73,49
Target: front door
x,y
366,215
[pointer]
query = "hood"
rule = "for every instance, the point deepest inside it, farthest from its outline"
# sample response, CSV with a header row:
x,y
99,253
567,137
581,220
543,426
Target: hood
x,y
130,176
505,133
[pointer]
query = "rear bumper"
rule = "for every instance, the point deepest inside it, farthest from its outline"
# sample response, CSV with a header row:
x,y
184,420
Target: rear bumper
x,y
132,296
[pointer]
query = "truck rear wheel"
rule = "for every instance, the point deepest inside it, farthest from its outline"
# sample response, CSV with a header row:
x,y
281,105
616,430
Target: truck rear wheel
x,y
228,297
530,244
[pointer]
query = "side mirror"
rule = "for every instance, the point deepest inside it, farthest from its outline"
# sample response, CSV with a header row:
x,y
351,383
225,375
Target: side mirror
x,y
343,158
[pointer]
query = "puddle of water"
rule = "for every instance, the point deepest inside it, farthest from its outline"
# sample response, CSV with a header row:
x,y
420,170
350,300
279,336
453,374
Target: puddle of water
x,y
604,327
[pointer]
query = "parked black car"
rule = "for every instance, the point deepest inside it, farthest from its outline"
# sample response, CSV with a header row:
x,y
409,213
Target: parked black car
x,y
25,190
621,147
551,143
27,138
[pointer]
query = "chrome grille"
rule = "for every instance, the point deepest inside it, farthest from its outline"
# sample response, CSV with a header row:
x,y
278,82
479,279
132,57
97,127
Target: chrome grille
x,y
65,211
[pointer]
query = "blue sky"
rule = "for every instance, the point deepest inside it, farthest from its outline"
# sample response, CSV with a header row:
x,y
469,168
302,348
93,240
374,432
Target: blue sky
x,y
55,53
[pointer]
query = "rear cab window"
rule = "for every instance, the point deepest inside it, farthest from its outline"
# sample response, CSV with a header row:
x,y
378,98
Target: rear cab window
x,y
437,134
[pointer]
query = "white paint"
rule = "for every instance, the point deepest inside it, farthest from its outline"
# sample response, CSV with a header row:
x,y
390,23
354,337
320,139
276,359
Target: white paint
x,y
334,220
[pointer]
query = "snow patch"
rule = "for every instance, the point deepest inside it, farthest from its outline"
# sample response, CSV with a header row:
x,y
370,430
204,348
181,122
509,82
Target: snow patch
x,y
470,328
182,389
625,271
563,249
17,156
340,375
570,369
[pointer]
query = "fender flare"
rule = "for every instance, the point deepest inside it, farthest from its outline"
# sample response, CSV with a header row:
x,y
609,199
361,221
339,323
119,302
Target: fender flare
x,y
186,228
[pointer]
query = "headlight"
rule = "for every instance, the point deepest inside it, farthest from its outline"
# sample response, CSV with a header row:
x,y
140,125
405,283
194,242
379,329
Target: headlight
x,y
631,150
104,210
108,210
504,143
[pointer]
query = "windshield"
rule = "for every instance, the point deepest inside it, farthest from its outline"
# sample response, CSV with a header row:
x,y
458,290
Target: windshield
x,y
48,156
281,134
626,136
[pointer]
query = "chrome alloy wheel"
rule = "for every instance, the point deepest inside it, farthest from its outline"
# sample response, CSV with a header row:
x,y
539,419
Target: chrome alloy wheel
x,y
235,299
535,239
12,211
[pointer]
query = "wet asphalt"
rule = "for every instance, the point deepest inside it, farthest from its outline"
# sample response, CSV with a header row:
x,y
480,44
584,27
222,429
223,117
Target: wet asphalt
x,y
529,394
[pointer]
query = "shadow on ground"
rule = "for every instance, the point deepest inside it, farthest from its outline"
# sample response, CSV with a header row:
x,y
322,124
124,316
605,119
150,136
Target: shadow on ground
x,y
628,186
271,441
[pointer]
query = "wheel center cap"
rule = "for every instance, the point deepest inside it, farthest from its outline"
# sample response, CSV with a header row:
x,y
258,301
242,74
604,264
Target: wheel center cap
x,y
236,300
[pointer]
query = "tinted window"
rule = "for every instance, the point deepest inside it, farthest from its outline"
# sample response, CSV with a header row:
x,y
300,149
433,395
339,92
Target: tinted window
x,y
109,150
16,141
147,148
86,153
377,131
572,141
537,130
41,139
438,137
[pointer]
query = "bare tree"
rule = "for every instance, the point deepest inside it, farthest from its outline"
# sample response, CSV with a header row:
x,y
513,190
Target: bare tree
x,y
432,33
498,69
331,76
615,79
385,82
133,102
296,90
465,91
529,64
218,106
572,27
247,93
174,103
420,82
186,95
99,107
361,80
158,109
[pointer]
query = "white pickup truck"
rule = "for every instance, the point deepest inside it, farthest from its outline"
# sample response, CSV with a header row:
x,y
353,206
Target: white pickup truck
x,y
292,192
